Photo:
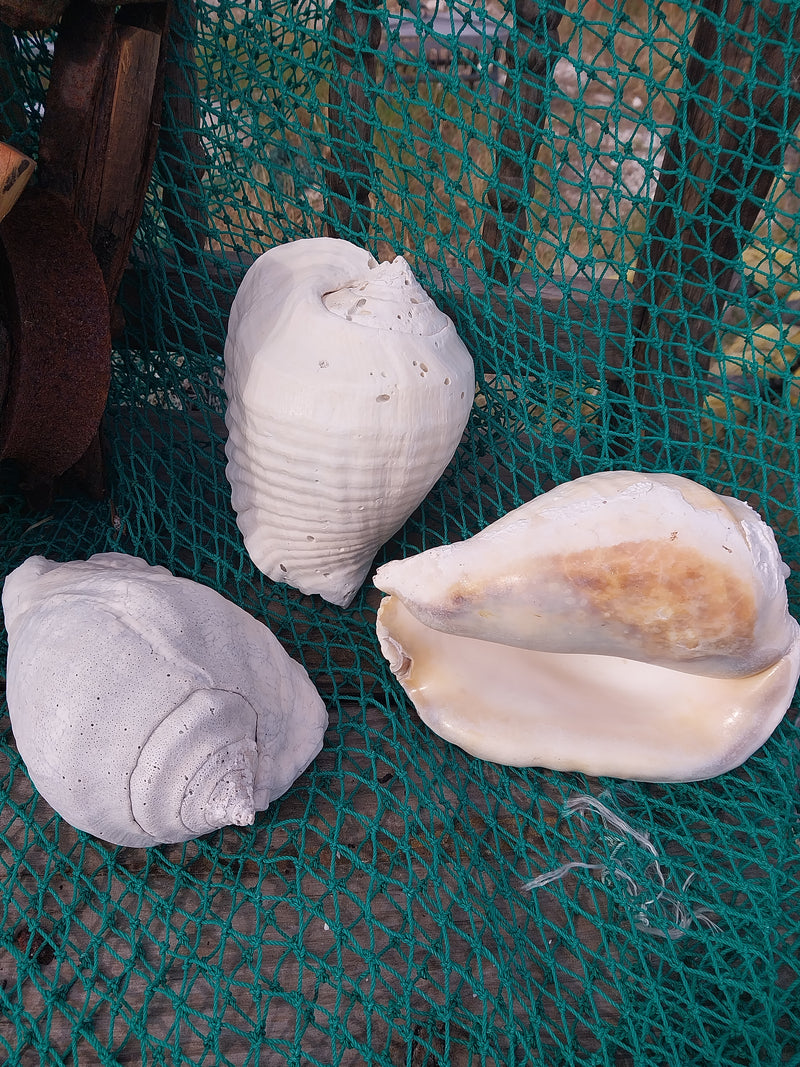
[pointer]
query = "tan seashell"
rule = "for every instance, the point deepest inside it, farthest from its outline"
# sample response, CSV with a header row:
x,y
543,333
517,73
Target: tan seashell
x,y
348,393
622,624
148,708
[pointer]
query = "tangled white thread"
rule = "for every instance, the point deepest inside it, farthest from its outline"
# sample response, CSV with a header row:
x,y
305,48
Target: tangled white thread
x,y
680,915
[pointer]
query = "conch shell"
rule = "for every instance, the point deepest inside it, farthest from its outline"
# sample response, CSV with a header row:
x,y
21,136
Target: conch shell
x,y
148,708
348,393
623,624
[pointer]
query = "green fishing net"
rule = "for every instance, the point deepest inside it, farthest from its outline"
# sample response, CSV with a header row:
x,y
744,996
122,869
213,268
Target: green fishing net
x,y
405,903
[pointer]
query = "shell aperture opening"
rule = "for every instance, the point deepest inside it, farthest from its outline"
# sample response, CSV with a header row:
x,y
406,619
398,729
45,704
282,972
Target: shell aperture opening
x,y
390,298
671,660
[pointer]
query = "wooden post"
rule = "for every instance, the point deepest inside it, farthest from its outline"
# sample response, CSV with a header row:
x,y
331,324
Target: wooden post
x,y
531,44
80,59
181,151
725,151
356,37
134,122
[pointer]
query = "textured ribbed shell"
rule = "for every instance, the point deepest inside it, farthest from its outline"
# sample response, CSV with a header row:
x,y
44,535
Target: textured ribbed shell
x,y
348,393
622,624
148,708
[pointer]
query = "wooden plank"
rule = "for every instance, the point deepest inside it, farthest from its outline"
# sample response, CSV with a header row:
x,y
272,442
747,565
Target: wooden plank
x,y
181,150
80,58
100,124
102,946
530,50
355,40
127,157
443,35
726,149
566,324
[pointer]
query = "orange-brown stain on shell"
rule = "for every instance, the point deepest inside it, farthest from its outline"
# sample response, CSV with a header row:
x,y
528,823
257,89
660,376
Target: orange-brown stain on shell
x,y
666,596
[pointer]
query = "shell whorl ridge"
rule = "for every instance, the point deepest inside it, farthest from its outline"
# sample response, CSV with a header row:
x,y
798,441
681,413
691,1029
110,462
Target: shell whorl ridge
x,y
348,393
625,624
148,708
207,785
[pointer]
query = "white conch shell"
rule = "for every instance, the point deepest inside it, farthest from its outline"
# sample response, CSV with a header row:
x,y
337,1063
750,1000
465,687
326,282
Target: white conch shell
x,y
348,393
624,624
148,708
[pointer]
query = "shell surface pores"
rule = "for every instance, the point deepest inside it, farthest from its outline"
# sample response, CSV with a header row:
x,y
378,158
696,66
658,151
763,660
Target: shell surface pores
x,y
348,393
623,624
147,708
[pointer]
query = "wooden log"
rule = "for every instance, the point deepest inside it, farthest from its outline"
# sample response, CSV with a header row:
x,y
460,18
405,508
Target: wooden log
x,y
355,36
726,148
531,46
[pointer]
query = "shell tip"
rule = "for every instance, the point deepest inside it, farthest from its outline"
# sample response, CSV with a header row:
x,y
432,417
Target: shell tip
x,y
231,803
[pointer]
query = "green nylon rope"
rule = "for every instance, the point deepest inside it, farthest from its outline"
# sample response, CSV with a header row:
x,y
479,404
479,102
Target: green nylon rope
x,y
382,911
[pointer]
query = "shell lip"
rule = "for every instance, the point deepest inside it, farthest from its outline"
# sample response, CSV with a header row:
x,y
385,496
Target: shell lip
x,y
523,729
400,662
356,305
751,631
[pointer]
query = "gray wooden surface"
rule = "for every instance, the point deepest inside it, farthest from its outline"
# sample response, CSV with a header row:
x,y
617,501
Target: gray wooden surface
x,y
313,944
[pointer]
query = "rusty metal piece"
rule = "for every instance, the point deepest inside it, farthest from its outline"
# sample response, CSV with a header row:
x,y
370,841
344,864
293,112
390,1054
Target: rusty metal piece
x,y
55,307
31,14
